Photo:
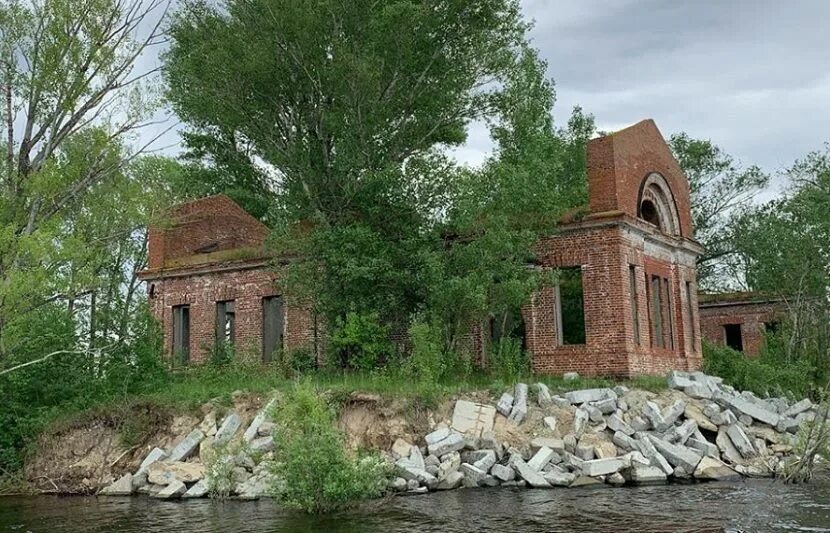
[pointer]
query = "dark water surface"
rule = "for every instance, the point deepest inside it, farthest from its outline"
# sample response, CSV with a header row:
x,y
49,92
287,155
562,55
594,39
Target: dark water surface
x,y
757,505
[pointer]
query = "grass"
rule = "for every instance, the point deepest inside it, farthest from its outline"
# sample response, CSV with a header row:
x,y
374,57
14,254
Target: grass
x,y
193,387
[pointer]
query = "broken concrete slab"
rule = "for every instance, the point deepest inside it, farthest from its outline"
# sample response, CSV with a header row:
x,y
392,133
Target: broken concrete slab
x,y
559,479
185,448
703,446
602,467
156,454
616,423
531,476
228,429
679,380
714,469
472,474
162,473
671,414
653,414
747,407
677,455
122,487
727,449
261,416
623,441
505,404
797,408
519,411
557,445
550,422
541,458
199,490
580,421
680,434
504,473
474,419
741,441
174,490
644,474
452,443
437,436
543,396
694,412
590,395
452,481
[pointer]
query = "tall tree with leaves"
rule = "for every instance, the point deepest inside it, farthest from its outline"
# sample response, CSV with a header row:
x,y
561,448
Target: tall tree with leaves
x,y
784,252
348,105
72,100
720,188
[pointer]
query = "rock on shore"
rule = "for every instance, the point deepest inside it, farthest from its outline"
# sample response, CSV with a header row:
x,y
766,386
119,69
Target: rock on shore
x,y
699,429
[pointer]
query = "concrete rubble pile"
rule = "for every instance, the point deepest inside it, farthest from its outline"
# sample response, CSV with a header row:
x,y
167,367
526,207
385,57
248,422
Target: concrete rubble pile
x,y
700,429
184,471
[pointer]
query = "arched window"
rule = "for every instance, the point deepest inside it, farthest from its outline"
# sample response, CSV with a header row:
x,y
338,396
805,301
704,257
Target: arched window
x,y
656,204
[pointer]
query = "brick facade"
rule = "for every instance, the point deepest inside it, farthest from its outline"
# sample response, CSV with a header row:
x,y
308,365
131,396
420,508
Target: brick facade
x,y
606,244
210,251
752,313
638,218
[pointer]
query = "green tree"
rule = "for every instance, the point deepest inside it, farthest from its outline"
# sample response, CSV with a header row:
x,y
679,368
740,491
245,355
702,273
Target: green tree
x,y
72,100
720,188
782,246
350,107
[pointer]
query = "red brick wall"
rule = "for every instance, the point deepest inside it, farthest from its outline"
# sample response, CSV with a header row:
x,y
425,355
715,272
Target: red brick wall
x,y
216,220
751,317
246,287
618,163
604,254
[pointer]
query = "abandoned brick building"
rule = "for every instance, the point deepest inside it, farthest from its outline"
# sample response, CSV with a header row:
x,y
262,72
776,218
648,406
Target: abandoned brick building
x,y
209,277
740,320
626,303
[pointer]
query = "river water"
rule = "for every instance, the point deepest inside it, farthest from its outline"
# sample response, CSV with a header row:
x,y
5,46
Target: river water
x,y
753,505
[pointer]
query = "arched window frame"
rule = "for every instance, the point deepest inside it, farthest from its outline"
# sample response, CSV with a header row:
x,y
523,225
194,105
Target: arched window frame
x,y
655,189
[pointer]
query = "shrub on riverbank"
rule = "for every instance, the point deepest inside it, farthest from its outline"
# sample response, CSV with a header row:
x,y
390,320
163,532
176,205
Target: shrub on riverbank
x,y
763,375
315,473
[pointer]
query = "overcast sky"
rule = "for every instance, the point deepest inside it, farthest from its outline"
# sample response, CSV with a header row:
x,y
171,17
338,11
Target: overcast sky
x,y
752,75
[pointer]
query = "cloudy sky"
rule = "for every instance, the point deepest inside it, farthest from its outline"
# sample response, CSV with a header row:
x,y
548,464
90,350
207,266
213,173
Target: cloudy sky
x,y
752,75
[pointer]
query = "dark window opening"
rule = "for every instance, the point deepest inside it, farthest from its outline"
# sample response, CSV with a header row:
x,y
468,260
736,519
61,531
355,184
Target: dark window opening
x,y
734,339
772,327
225,321
508,324
571,308
648,212
690,319
656,312
668,308
272,327
635,314
181,333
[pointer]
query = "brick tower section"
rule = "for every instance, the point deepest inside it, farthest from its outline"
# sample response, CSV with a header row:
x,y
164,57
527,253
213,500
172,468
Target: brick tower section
x,y
635,272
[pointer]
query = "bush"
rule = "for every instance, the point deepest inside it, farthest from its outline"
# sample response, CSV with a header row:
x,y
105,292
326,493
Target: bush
x,y
315,474
296,361
765,376
427,362
508,361
360,341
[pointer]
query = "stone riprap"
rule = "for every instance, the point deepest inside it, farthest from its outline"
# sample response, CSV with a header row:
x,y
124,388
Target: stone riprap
x,y
618,436
699,429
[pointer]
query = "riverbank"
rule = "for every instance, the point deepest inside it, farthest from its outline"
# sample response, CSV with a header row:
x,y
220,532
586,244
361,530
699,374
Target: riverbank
x,y
695,429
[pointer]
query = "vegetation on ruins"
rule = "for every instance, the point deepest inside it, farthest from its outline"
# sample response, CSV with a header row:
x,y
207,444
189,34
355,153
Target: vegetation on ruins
x,y
335,125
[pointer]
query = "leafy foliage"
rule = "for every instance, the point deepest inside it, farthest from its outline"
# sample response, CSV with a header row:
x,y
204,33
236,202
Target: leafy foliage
x,y
315,473
361,342
764,375
720,190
